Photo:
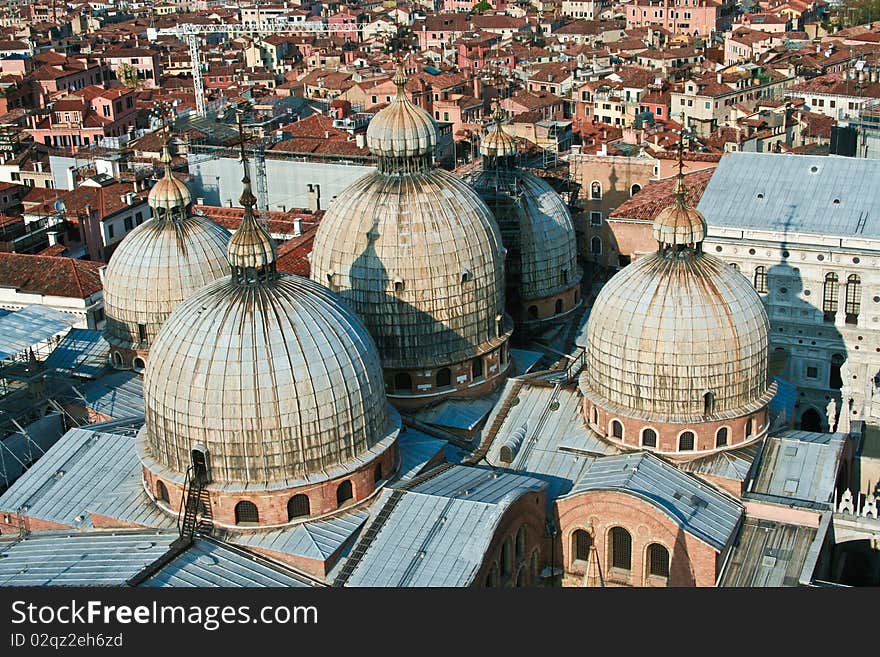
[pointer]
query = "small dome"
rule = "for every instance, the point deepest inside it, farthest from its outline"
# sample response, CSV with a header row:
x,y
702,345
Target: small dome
x,y
169,193
157,266
498,143
401,129
251,246
420,258
679,224
280,381
671,327
536,228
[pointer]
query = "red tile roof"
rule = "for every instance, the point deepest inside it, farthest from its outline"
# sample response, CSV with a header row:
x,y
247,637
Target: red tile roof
x,y
293,255
647,203
50,275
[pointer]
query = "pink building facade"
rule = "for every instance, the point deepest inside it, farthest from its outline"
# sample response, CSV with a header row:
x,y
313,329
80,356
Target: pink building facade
x,y
677,16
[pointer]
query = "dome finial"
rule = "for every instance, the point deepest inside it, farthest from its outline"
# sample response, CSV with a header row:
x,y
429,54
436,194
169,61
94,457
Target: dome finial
x,y
400,78
680,187
251,251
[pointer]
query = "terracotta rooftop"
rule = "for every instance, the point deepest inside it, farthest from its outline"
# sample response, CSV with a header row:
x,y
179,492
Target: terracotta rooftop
x,y
647,203
50,275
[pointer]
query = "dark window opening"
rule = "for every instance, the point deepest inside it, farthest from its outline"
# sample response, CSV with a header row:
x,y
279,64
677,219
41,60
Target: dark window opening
x,y
344,493
658,560
829,297
161,491
616,429
477,368
686,441
298,506
621,548
708,403
649,438
580,545
761,279
721,437
853,298
444,378
403,381
246,513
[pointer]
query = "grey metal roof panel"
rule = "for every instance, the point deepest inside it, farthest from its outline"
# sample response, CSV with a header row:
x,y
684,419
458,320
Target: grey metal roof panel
x,y
82,352
210,563
87,470
94,559
116,395
318,539
768,553
800,466
733,464
798,194
696,507
476,484
524,360
464,414
439,531
416,450
409,551
562,448
22,329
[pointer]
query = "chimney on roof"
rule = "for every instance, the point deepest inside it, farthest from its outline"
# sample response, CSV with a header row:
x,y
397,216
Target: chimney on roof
x,y
719,77
360,139
297,226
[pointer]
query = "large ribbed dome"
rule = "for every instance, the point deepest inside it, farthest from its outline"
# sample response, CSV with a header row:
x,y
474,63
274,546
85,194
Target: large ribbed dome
x,y
281,382
535,224
673,326
420,259
158,265
416,253
271,374
401,129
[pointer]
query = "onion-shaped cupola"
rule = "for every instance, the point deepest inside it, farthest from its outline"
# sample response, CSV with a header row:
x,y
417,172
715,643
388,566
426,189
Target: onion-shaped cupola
x,y
275,385
418,255
677,347
156,266
542,274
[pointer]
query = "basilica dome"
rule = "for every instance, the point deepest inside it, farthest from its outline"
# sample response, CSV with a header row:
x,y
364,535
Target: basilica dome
x,y
419,257
270,374
543,276
159,264
678,338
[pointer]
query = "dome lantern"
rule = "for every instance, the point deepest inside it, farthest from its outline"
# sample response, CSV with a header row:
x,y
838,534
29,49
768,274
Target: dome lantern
x,y
680,228
251,251
169,197
402,136
497,145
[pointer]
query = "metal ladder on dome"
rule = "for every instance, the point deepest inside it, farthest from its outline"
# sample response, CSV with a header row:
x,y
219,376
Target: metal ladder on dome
x,y
195,500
